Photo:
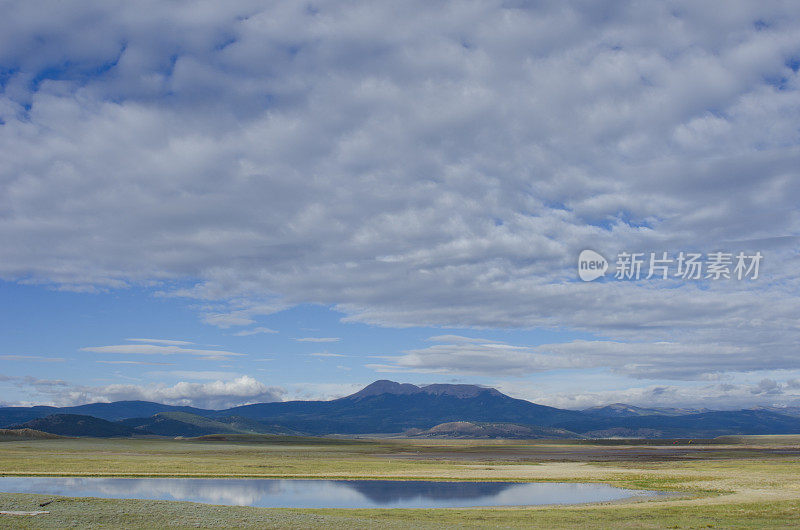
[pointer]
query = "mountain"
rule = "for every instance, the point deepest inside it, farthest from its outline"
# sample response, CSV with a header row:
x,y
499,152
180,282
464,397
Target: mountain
x,y
788,411
119,410
387,407
701,425
620,410
385,386
13,415
77,425
623,410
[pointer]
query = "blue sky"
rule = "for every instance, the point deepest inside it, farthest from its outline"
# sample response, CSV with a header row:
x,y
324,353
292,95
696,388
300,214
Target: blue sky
x,y
193,195
307,345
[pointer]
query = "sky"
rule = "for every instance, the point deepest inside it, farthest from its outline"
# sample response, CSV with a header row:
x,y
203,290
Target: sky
x,y
217,203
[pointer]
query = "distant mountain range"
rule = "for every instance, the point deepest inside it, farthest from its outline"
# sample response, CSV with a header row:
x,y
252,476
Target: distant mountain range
x,y
622,410
386,407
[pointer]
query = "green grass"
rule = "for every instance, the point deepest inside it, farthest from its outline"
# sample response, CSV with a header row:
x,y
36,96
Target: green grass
x,y
754,488
760,439
84,513
277,439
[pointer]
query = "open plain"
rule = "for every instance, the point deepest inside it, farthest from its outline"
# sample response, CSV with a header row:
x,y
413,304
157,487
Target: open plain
x,y
743,482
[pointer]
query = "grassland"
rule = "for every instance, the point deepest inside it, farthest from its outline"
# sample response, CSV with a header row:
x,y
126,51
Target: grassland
x,y
741,483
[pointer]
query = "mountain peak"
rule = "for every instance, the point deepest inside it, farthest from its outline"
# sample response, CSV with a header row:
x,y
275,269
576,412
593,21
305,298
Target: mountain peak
x,y
384,386
459,391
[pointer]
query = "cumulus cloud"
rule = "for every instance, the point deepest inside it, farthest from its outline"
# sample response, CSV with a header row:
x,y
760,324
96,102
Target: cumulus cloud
x,y
213,395
216,394
440,170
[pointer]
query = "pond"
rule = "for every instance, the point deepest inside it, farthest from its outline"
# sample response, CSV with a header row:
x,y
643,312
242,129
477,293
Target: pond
x,y
281,493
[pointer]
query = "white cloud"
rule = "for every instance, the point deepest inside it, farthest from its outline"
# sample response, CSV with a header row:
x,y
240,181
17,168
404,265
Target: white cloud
x,y
457,338
37,358
226,320
318,339
200,374
321,391
135,362
352,156
163,341
254,331
644,360
479,358
152,349
714,396
238,312
213,394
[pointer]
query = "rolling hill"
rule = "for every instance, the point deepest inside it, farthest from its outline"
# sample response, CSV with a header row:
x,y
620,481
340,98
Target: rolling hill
x,y
469,430
177,423
16,435
77,425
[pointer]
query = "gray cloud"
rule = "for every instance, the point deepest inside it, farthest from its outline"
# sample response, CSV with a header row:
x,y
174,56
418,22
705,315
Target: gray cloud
x,y
445,170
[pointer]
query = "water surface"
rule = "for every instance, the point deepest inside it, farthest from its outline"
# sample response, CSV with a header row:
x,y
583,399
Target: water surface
x,y
281,493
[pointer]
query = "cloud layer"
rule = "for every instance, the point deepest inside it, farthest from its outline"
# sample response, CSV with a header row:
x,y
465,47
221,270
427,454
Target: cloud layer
x,y
640,360
766,392
412,170
217,394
